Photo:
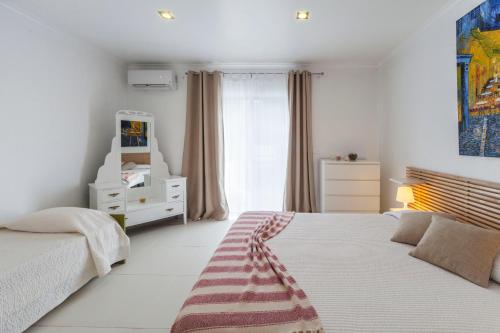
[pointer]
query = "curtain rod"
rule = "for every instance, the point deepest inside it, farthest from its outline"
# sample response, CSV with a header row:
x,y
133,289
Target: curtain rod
x,y
263,73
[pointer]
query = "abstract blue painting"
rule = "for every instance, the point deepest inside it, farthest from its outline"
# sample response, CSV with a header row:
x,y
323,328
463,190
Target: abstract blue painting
x,y
478,80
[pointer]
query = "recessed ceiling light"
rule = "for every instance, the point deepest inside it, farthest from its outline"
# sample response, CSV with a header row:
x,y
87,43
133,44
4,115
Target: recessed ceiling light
x,y
302,15
166,14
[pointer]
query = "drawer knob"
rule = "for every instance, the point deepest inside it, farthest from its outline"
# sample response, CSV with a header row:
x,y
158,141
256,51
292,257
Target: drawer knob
x,y
175,196
114,194
177,185
169,209
114,207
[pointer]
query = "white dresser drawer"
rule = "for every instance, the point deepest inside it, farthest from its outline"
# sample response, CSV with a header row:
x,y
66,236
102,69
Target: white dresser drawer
x,y
351,203
108,195
352,171
175,186
175,196
153,214
174,208
351,187
112,207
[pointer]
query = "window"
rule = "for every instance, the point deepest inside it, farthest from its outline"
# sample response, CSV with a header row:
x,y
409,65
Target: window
x,y
255,121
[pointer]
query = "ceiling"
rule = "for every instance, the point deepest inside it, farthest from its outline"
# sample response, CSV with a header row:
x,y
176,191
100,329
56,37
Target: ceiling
x,y
356,32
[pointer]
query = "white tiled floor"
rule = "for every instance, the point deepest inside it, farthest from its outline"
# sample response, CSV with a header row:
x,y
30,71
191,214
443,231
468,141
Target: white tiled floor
x,y
145,294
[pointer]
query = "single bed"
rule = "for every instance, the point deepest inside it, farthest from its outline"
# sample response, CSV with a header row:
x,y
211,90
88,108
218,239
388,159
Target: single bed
x,y
360,281
38,271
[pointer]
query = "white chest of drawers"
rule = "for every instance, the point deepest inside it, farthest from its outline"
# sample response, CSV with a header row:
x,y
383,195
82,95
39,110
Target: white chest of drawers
x,y
349,187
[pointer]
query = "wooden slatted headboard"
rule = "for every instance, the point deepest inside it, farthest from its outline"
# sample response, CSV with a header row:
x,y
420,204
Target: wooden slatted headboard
x,y
469,200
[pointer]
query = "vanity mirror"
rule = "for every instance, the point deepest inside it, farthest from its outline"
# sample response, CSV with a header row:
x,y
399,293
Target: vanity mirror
x,y
134,179
136,170
135,150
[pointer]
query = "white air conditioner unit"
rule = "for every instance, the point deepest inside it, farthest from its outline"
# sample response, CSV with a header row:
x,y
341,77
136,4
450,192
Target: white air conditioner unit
x,y
154,78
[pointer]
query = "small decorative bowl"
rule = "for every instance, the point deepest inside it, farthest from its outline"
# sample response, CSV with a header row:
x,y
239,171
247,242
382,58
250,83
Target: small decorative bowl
x,y
353,157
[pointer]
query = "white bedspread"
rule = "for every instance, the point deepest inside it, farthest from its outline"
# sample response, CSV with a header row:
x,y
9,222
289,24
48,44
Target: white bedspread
x,y
360,281
38,271
97,227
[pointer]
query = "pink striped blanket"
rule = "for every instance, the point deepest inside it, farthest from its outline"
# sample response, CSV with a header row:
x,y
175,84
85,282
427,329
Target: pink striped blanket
x,y
245,289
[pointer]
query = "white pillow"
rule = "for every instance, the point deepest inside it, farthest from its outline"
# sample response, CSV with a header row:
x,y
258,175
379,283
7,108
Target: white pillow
x,y
495,272
397,214
128,166
61,219
142,166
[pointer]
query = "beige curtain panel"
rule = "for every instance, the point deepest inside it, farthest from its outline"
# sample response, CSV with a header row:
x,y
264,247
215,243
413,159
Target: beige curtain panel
x,y
300,195
202,160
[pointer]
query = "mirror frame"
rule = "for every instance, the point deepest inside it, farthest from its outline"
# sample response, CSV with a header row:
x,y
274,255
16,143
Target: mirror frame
x,y
144,118
110,172
135,193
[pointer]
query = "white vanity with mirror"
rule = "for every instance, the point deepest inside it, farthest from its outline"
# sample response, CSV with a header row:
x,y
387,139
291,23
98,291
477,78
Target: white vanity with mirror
x,y
135,180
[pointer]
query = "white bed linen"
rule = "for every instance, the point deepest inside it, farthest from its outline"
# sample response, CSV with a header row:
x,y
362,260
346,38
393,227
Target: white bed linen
x,y
38,271
136,175
360,281
99,228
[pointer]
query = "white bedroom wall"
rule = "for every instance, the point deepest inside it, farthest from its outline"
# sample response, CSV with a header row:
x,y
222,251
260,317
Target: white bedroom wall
x,y
345,115
58,97
344,111
418,104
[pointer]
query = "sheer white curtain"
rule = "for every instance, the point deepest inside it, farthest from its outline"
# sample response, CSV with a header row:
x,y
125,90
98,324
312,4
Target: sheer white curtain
x,y
255,121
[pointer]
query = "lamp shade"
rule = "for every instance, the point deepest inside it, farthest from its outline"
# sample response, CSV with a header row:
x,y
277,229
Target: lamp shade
x,y
405,195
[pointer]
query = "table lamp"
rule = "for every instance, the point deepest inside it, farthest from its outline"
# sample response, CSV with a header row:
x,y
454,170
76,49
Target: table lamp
x,y
405,195
405,192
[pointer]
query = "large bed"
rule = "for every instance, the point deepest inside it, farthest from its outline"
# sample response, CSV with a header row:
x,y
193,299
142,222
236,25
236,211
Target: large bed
x,y
360,281
352,274
38,271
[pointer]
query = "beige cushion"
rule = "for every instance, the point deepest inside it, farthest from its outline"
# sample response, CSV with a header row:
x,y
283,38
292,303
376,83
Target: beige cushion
x,y
463,249
412,228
